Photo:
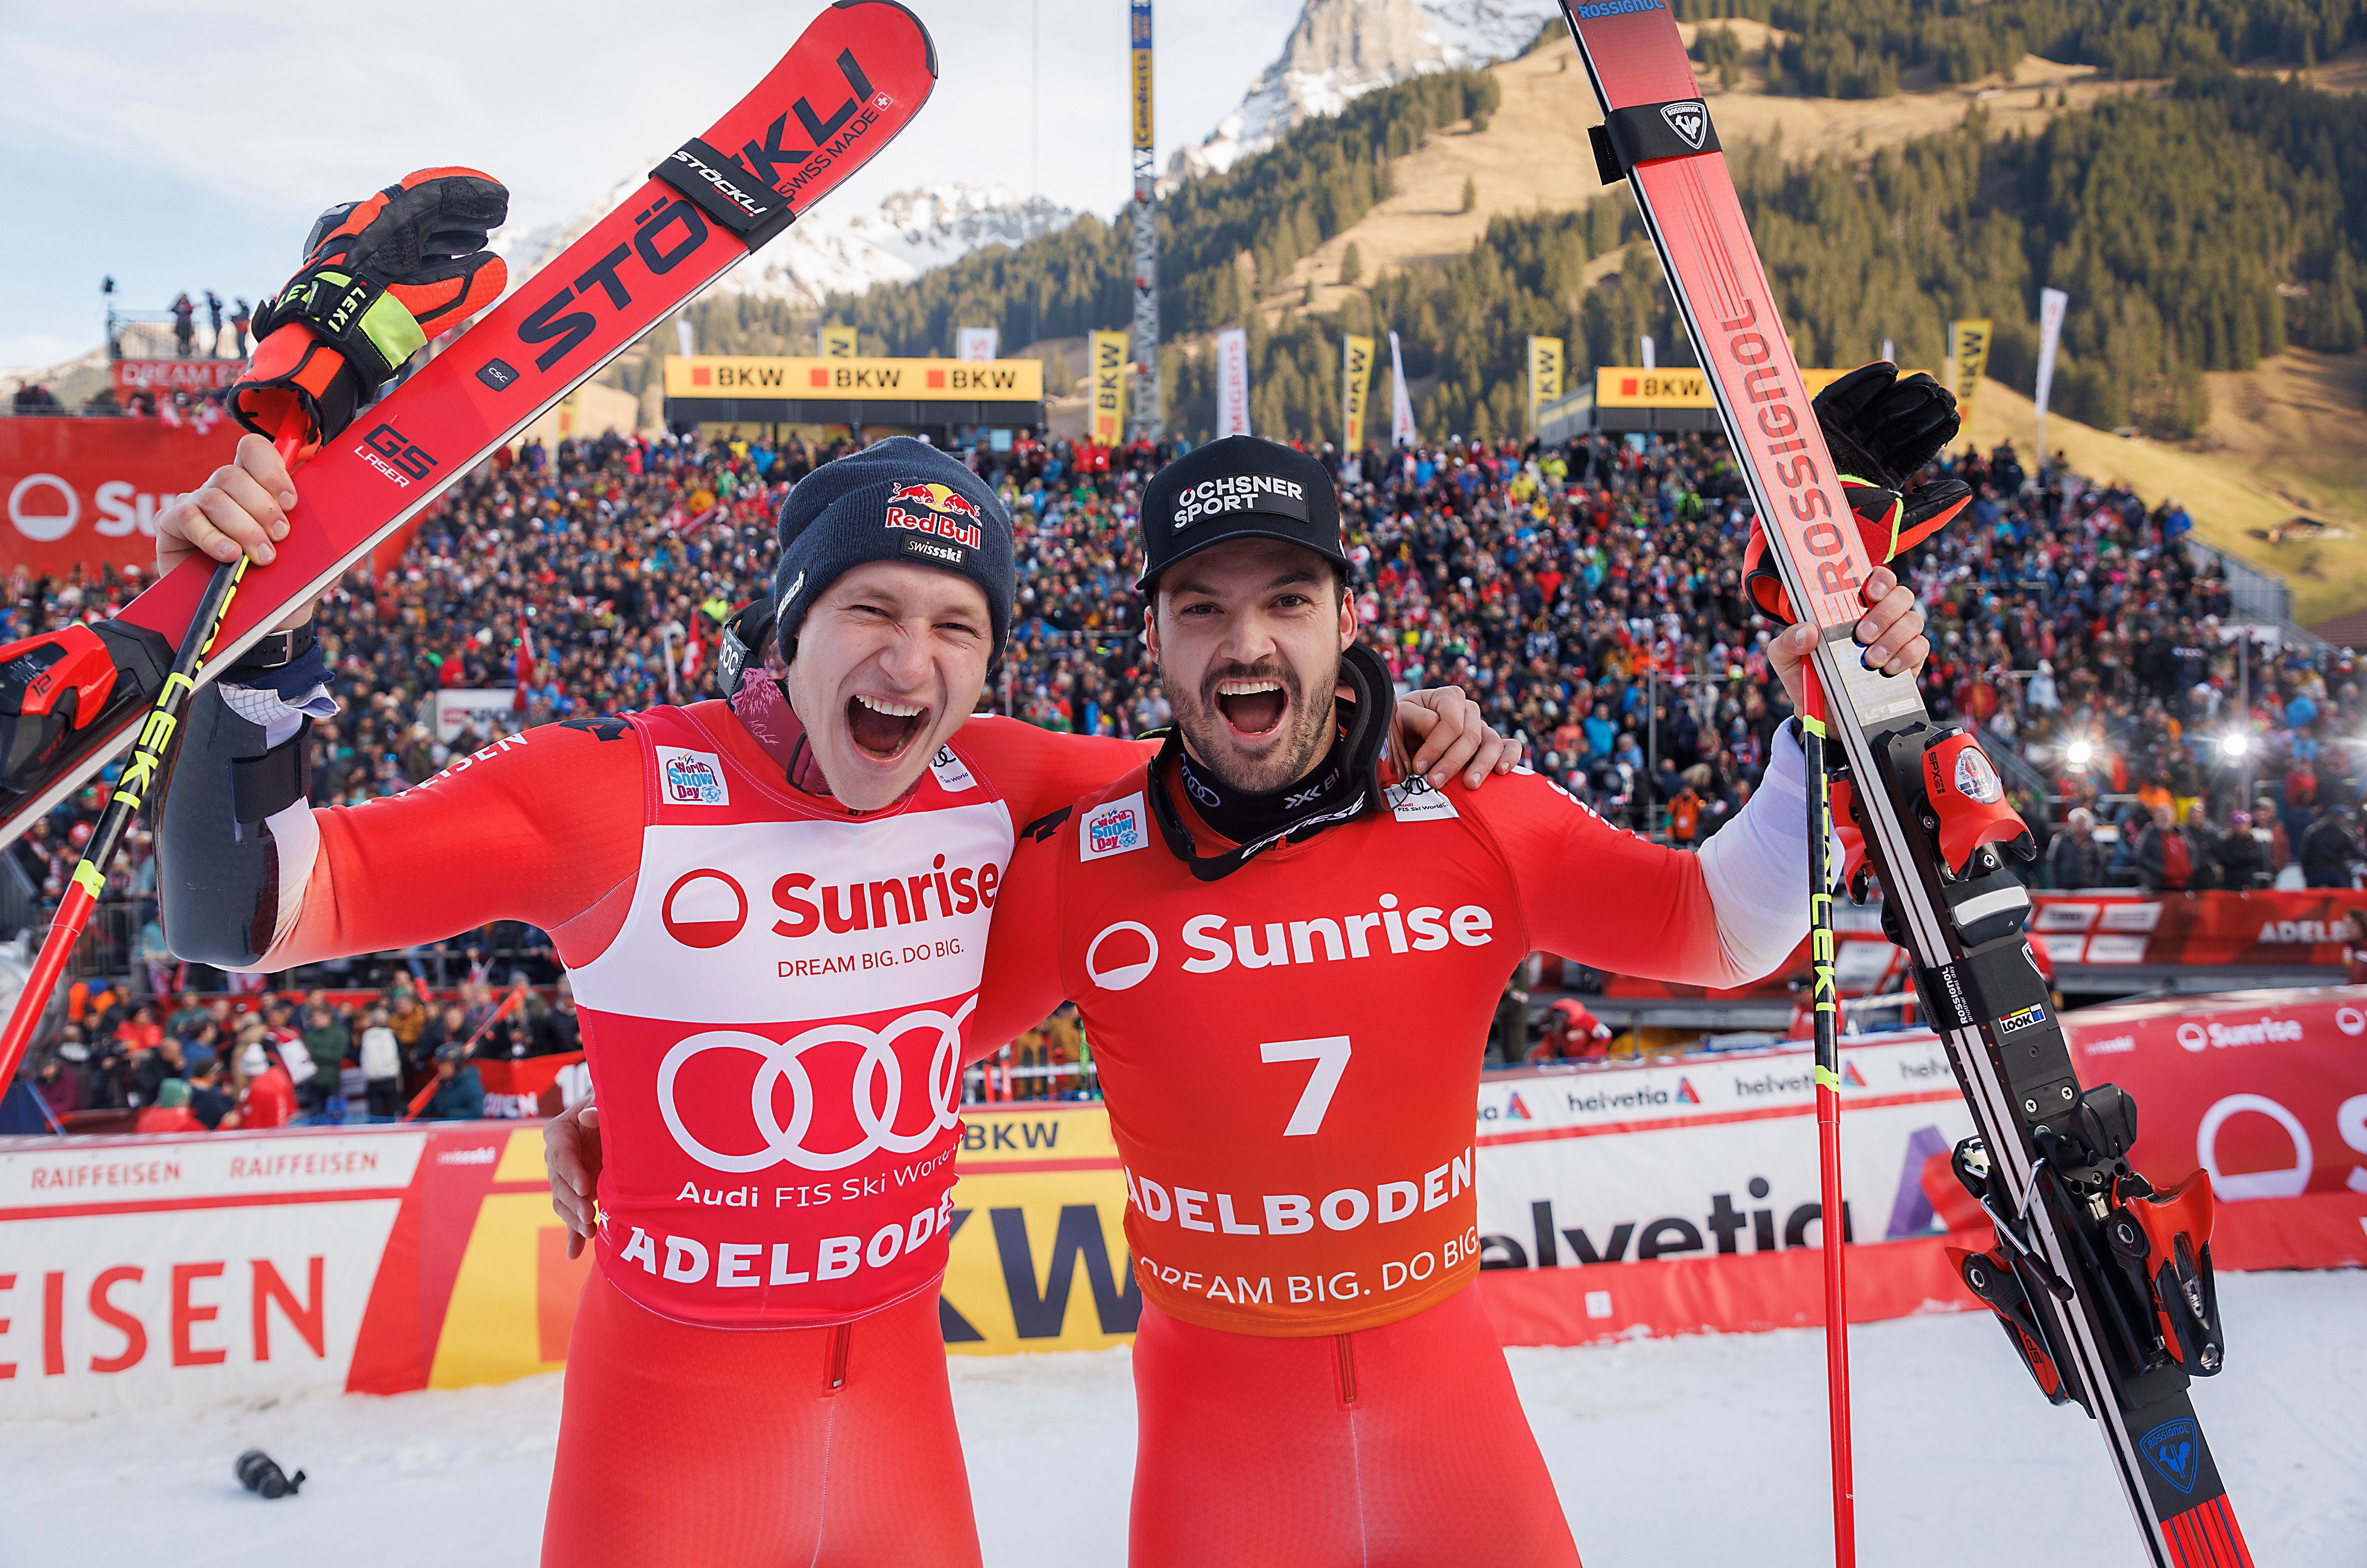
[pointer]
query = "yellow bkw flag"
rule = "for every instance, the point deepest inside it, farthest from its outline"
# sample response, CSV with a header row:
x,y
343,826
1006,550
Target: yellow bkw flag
x,y
1355,391
1968,353
1544,375
1109,388
838,342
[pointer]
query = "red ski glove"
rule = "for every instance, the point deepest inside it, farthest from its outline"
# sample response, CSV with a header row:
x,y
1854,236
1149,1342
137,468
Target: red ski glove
x,y
380,278
1881,431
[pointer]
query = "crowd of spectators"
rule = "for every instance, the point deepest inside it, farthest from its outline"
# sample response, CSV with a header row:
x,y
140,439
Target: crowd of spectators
x,y
174,1062
1587,595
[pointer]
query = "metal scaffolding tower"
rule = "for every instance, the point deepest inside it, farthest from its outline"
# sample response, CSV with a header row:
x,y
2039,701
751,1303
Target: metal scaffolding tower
x,y
1149,417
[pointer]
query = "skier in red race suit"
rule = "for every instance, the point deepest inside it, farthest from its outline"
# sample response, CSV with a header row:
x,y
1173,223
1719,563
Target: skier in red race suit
x,y
776,929
1287,966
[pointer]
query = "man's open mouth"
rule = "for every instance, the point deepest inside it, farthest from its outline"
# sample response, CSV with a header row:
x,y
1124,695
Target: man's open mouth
x,y
882,727
1252,707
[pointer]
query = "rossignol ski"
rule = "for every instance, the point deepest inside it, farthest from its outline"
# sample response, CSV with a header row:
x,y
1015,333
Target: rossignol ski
x,y
2103,1283
73,698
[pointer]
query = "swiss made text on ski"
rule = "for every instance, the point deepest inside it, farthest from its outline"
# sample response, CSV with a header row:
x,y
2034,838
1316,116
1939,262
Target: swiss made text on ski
x,y
2103,1284
73,698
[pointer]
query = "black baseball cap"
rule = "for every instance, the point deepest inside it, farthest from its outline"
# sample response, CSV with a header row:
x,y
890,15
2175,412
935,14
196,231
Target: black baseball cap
x,y
1237,488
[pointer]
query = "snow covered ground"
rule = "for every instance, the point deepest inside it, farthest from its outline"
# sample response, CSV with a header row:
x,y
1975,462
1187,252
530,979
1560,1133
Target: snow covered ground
x,y
1708,1449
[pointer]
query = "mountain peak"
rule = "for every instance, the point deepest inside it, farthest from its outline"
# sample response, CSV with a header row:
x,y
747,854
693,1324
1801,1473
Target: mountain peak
x,y
838,250
1342,49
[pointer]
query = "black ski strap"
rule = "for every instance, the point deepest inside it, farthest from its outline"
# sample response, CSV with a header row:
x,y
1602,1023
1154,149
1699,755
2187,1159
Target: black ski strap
x,y
1644,131
263,786
722,187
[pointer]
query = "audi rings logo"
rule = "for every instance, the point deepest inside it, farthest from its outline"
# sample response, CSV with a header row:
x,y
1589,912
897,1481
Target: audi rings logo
x,y
693,908
877,1076
1122,977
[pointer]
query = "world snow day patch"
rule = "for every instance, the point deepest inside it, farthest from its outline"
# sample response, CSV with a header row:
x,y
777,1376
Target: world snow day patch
x,y
691,778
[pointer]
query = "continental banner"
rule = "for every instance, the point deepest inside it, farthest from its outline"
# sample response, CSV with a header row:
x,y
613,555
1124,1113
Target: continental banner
x,y
923,380
1138,20
1355,390
1109,363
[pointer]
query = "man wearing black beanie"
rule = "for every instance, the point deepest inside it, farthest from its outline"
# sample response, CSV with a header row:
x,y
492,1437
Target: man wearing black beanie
x,y
774,906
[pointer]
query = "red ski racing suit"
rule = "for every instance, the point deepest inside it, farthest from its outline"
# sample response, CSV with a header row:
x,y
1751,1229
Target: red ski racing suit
x,y
778,996
1291,1055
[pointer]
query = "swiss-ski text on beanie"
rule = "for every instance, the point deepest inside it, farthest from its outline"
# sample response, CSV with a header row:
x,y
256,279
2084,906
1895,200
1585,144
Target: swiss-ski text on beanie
x,y
896,500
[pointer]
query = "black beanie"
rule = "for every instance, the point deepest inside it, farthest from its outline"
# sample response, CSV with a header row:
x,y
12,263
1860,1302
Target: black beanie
x,y
896,500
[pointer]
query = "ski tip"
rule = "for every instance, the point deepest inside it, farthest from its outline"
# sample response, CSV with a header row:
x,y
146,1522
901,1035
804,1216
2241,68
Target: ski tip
x,y
927,43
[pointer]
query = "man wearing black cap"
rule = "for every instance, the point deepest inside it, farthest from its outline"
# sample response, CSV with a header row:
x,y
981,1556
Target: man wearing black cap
x,y
774,911
1286,952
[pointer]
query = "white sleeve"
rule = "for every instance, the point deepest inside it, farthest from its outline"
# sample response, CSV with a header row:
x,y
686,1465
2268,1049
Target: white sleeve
x,y
1756,866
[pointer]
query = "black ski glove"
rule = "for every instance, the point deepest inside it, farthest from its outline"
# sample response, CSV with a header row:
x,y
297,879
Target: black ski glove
x,y
1881,431
380,278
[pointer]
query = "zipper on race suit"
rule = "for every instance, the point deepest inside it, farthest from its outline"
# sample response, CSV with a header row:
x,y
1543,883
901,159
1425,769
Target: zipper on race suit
x,y
1343,1353
834,1373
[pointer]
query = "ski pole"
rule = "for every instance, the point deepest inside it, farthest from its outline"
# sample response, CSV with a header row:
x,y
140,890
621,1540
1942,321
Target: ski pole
x,y
427,1092
1828,1113
141,780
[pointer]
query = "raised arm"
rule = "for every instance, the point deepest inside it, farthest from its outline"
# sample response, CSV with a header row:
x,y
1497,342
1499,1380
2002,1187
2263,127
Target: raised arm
x,y
1611,900
543,828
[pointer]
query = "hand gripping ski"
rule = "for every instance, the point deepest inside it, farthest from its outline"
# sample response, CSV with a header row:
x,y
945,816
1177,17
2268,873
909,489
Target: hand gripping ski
x,y
2070,1212
856,77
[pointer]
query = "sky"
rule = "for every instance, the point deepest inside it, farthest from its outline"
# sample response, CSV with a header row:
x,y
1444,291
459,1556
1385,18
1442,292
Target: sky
x,y
180,145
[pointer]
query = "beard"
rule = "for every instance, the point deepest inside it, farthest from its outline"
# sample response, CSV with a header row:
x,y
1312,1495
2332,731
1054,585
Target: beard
x,y
1245,759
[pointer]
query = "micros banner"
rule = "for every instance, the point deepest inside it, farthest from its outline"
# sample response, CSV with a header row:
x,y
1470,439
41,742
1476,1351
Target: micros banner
x,y
1233,382
88,491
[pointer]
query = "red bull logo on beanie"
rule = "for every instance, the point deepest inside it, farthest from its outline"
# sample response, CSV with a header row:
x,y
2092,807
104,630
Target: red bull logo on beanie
x,y
936,509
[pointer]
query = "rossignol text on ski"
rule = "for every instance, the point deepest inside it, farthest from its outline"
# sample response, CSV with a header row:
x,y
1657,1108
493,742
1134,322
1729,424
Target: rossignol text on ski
x,y
2104,1282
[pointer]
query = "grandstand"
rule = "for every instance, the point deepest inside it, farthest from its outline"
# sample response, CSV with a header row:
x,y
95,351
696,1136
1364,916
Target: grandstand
x,y
1587,594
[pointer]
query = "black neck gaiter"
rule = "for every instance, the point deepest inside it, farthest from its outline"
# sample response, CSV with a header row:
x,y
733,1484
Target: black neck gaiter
x,y
1345,785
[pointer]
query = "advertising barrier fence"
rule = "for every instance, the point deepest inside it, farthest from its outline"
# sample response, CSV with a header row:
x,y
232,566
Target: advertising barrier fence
x,y
87,491
1661,1197
2279,930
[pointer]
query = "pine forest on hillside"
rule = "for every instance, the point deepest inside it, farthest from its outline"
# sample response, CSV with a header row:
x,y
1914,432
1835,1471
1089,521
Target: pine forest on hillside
x,y
1857,49
2195,229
